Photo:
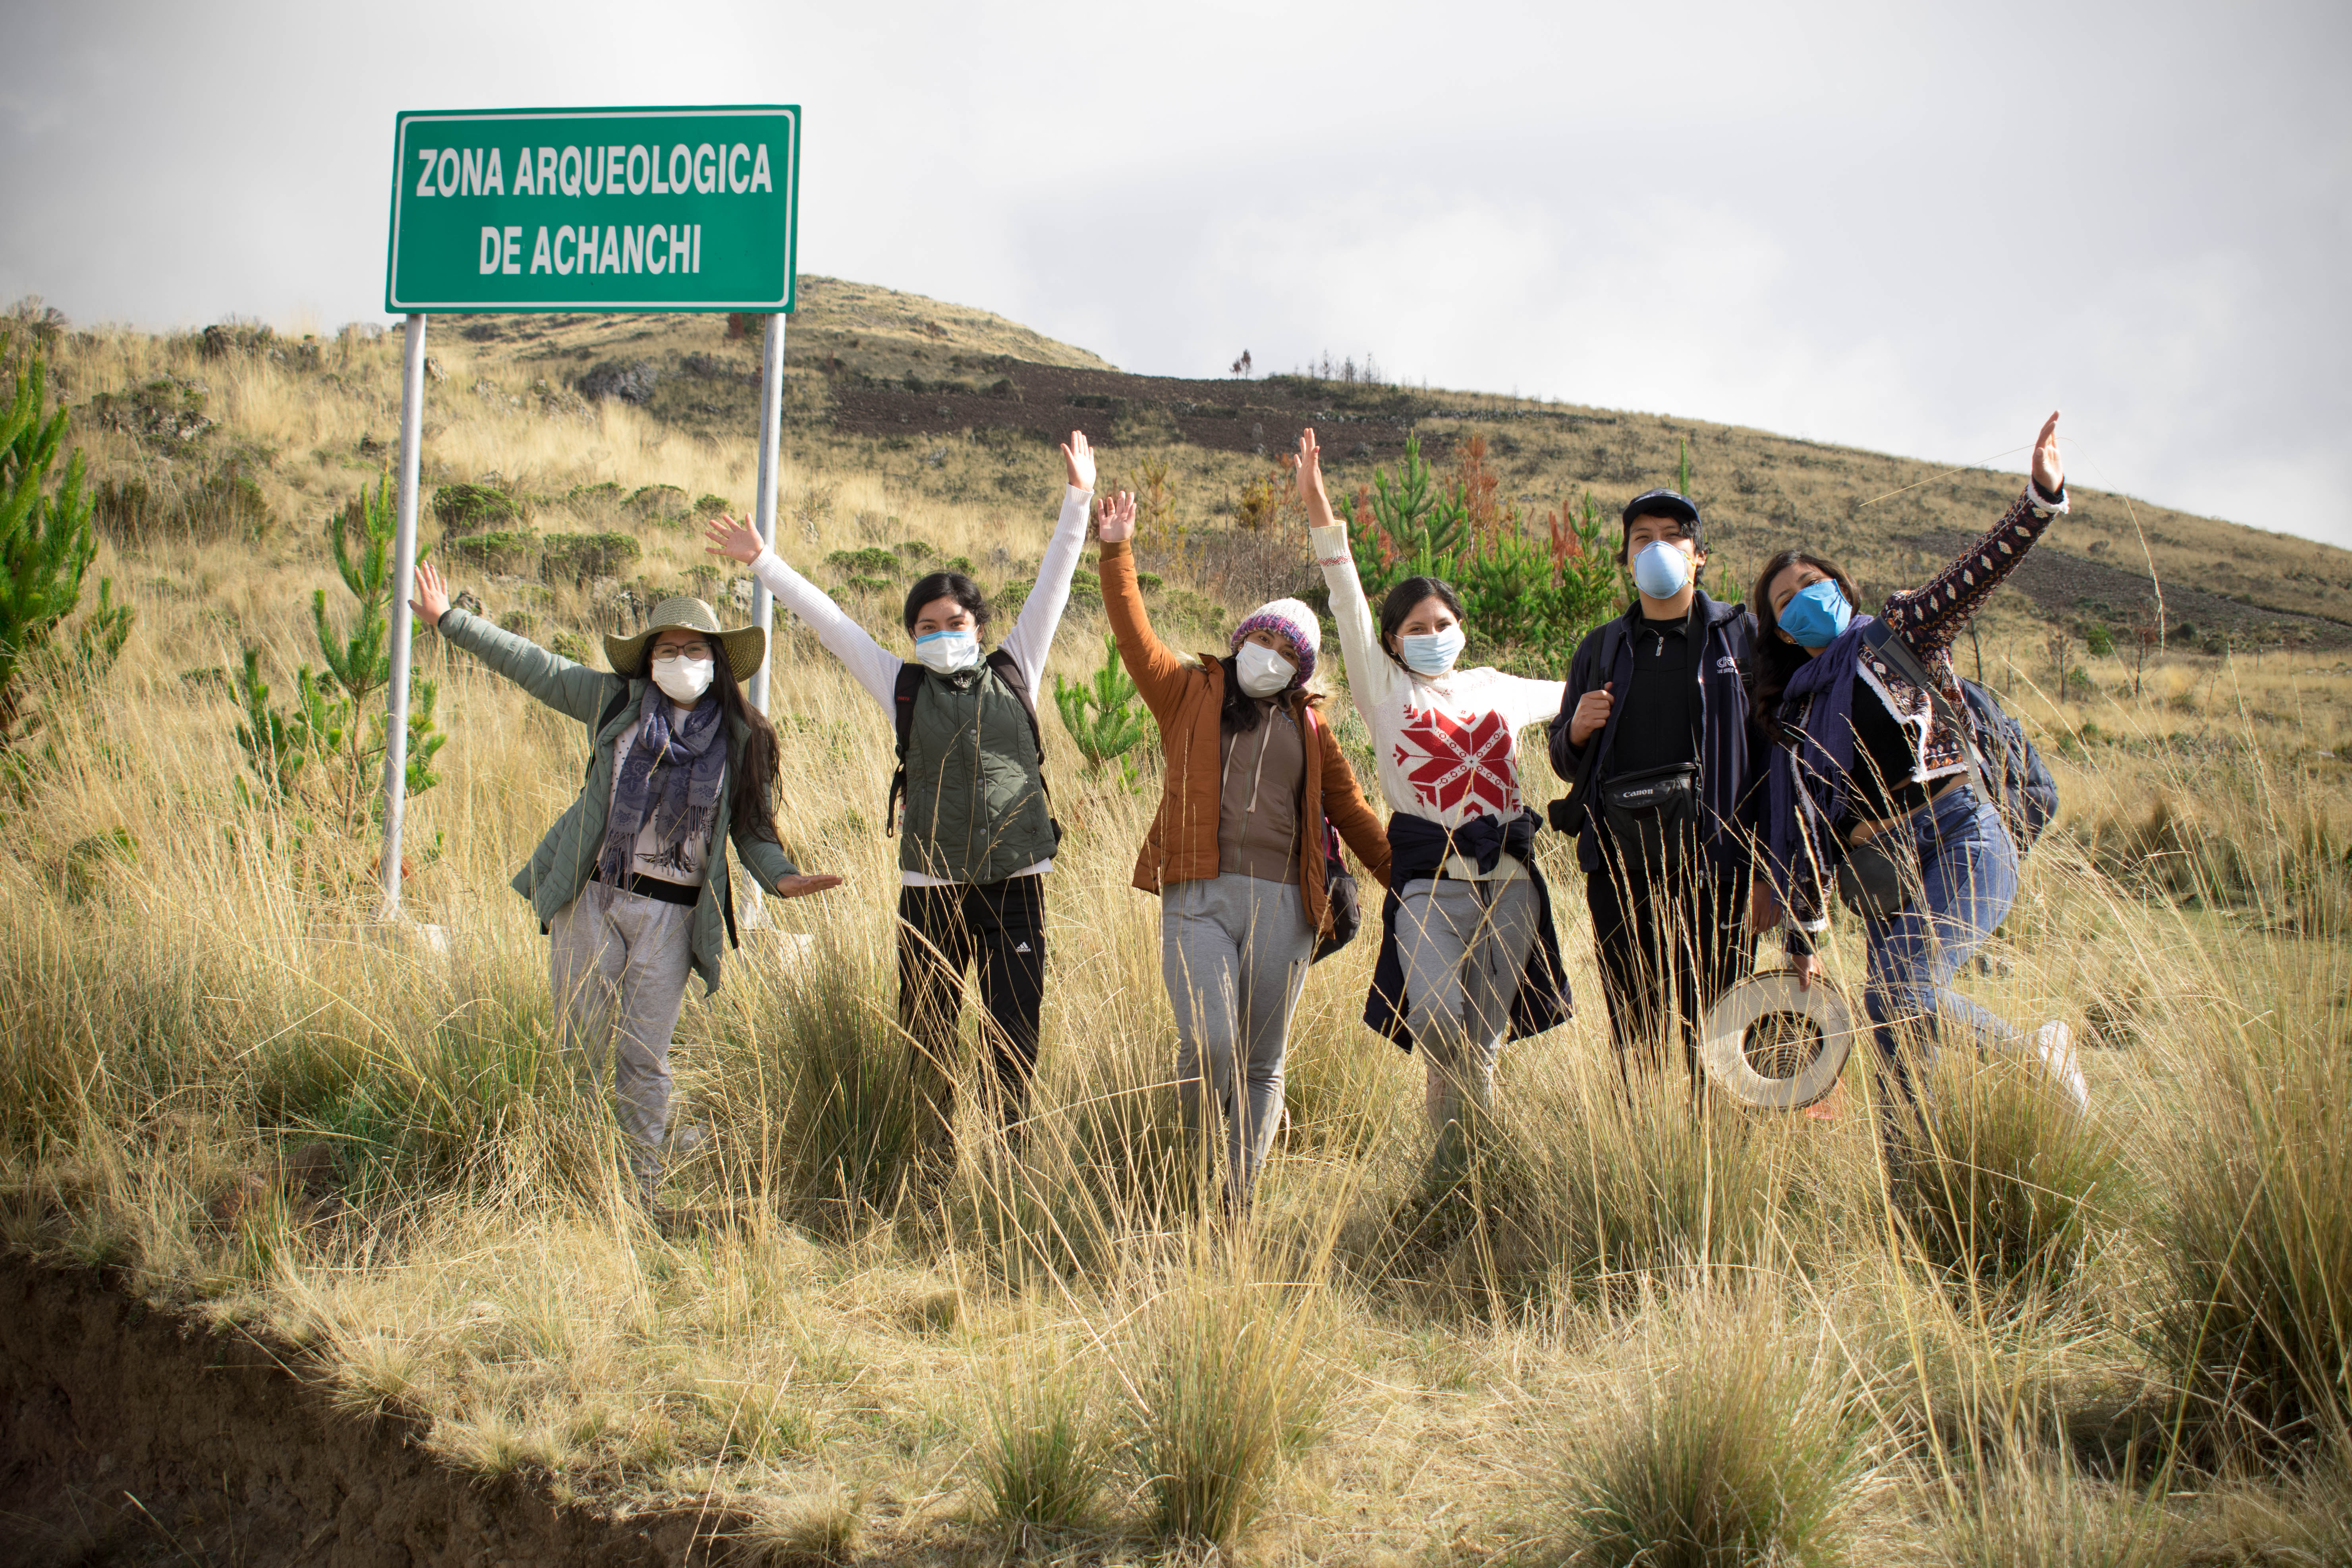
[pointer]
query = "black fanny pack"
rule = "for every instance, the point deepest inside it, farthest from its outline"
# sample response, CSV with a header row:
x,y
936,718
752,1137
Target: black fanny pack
x,y
1872,882
1654,813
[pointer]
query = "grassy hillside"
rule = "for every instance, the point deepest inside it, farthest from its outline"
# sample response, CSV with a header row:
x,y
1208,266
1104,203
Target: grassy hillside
x,y
1643,1331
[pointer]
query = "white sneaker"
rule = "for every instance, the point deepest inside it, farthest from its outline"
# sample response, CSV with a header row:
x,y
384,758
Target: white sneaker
x,y
2056,1043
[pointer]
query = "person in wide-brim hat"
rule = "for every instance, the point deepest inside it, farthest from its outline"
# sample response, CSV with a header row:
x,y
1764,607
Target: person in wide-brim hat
x,y
746,647
631,884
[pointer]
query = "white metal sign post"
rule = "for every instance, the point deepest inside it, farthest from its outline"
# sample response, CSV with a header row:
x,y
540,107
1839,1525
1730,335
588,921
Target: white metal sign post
x,y
763,508
582,209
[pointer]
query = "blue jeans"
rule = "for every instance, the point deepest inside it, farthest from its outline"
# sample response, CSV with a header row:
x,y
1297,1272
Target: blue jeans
x,y
1964,880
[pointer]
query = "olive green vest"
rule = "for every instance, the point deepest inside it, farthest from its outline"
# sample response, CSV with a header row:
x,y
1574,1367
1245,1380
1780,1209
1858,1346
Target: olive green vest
x,y
976,807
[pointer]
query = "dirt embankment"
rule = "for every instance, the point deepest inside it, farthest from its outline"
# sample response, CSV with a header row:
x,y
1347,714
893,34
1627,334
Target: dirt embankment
x,y
132,1437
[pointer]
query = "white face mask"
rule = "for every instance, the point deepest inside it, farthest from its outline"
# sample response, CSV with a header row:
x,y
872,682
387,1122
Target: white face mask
x,y
1434,655
948,652
1661,569
1262,670
683,680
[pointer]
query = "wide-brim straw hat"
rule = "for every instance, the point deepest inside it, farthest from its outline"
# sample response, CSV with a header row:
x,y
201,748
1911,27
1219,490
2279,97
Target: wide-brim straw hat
x,y
745,646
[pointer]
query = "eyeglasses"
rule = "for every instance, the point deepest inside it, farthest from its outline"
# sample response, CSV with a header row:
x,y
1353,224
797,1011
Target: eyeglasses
x,y
698,651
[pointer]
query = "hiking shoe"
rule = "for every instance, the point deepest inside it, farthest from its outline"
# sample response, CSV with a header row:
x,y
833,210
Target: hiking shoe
x,y
2055,1042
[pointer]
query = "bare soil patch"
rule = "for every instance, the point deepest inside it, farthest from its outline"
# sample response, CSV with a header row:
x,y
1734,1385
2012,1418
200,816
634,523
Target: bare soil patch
x,y
131,1435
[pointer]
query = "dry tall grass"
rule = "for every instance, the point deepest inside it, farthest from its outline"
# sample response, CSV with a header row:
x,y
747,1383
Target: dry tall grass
x,y
1637,1336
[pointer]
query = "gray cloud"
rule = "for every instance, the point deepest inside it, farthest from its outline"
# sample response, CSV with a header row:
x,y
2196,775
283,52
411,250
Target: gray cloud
x,y
1907,230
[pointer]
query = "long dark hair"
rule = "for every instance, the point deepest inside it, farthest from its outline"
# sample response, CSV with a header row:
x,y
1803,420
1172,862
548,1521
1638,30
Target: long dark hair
x,y
1398,607
947,585
1777,660
755,771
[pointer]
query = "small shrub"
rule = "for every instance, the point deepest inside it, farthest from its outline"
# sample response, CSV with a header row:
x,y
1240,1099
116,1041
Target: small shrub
x,y
662,503
501,553
473,508
711,505
577,557
873,560
598,501
572,646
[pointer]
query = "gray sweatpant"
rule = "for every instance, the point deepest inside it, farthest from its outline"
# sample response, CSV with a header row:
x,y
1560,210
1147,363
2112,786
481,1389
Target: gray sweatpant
x,y
1233,950
619,974
1464,945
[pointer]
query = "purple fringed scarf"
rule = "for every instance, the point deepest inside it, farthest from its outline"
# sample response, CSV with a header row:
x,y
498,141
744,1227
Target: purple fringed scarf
x,y
671,780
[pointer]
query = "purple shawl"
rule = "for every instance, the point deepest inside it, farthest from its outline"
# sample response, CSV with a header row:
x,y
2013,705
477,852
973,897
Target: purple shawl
x,y
1816,754
671,780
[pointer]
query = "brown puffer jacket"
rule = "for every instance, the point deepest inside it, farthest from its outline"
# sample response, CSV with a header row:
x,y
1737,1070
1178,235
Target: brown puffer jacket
x,y
1187,697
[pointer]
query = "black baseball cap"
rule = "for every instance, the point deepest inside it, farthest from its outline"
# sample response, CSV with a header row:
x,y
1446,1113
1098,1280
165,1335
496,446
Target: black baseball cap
x,y
1664,503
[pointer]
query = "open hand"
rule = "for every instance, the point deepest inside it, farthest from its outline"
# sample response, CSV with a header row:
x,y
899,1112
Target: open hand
x,y
432,598
1115,518
1592,715
2048,472
1080,457
734,539
801,887
1310,480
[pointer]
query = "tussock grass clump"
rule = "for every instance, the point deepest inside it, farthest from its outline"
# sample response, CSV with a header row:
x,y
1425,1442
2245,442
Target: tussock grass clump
x,y
1046,1450
813,1099
1226,1379
1729,1443
1604,1186
2004,1187
2255,1226
2041,1513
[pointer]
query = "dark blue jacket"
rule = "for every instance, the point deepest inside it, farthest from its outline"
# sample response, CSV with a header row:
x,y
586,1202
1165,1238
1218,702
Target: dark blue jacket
x,y
1731,765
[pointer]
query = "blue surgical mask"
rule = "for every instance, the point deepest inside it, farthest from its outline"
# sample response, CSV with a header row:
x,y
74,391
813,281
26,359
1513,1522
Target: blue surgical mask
x,y
948,652
1661,569
1816,616
1432,654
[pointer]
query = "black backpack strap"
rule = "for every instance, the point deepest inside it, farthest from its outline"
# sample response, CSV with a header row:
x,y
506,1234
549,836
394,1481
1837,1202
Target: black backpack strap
x,y
1008,671
902,717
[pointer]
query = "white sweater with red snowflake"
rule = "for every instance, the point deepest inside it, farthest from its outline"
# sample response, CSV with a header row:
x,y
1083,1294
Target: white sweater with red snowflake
x,y
1448,748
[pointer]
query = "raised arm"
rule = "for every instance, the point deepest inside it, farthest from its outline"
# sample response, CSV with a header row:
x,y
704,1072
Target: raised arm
x,y
1032,636
1157,672
1373,676
568,688
875,666
1929,618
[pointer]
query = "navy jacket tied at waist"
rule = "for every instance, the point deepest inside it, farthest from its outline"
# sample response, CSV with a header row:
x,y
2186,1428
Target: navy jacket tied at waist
x,y
1418,849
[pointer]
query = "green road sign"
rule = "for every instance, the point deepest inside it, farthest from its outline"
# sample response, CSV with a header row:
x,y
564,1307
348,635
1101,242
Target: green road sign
x,y
595,209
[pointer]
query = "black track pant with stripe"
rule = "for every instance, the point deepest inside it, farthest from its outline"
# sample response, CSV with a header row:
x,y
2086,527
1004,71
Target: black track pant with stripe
x,y
942,932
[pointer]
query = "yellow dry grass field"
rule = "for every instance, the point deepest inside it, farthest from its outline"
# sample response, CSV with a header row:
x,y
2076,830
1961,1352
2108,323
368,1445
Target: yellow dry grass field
x,y
1647,1334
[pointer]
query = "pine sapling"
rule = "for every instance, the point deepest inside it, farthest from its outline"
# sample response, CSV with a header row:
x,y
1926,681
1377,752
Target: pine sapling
x,y
1105,715
46,539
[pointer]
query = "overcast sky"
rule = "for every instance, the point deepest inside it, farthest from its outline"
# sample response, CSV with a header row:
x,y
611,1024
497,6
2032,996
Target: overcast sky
x,y
1904,227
